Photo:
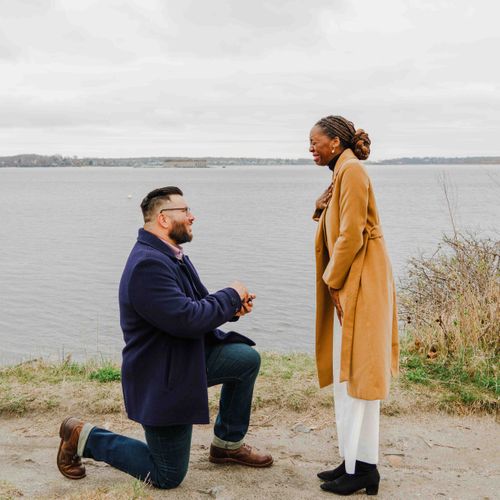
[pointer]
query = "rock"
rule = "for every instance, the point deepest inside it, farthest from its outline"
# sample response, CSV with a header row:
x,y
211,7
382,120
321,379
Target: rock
x,y
395,460
301,428
215,491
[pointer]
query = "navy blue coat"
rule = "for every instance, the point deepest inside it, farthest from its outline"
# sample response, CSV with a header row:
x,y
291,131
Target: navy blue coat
x,y
167,315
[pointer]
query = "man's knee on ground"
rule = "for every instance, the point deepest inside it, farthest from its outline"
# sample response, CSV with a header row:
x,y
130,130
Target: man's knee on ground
x,y
170,481
167,484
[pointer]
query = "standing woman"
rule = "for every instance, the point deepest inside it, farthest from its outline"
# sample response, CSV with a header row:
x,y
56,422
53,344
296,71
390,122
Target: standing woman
x,y
356,348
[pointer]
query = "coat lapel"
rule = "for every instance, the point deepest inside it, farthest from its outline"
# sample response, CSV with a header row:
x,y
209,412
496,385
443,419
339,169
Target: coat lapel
x,y
346,157
147,238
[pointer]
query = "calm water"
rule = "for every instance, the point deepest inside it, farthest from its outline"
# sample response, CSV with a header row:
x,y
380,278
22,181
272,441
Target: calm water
x,y
66,233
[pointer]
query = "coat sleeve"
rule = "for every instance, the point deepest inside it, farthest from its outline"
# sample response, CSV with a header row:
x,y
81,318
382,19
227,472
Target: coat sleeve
x,y
353,213
156,295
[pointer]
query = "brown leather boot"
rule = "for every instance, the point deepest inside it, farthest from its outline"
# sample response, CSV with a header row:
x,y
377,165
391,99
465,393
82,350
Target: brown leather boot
x,y
244,455
68,462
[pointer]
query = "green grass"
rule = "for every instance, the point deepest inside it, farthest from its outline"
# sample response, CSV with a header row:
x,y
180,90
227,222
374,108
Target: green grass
x,y
107,373
287,382
453,381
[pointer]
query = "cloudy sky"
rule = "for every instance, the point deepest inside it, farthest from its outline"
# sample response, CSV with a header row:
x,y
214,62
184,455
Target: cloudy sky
x,y
247,78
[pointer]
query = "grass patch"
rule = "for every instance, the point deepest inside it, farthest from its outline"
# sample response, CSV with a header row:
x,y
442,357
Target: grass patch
x,y
39,371
129,490
40,387
287,383
9,491
453,386
14,403
107,373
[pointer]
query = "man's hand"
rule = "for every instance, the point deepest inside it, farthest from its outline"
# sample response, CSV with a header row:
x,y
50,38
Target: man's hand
x,y
336,302
241,289
245,296
247,305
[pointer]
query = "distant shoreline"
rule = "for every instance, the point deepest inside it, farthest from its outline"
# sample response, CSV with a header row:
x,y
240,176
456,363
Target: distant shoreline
x,y
58,161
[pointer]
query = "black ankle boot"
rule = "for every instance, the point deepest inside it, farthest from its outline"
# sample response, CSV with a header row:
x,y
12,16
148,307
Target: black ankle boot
x,y
331,475
363,467
350,483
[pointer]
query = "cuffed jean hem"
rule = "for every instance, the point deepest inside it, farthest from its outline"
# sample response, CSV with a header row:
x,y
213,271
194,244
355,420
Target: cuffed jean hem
x,y
227,445
82,439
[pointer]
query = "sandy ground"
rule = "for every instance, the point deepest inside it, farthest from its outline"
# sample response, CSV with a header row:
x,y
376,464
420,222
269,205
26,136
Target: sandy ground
x,y
422,456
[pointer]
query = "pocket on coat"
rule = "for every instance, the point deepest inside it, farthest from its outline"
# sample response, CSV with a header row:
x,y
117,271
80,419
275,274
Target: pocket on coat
x,y
169,369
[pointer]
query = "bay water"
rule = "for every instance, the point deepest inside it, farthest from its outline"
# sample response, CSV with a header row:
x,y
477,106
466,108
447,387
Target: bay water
x,y
66,234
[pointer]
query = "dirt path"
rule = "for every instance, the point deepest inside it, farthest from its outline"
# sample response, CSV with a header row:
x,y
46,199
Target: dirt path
x,y
426,456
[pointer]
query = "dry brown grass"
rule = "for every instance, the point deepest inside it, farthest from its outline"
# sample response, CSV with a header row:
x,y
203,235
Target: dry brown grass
x,y
451,301
127,490
40,387
8,491
287,385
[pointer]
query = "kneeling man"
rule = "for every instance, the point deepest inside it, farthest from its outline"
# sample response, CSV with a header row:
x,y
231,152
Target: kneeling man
x,y
173,352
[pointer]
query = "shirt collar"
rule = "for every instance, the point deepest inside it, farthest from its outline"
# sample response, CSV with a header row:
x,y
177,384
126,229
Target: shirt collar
x,y
177,249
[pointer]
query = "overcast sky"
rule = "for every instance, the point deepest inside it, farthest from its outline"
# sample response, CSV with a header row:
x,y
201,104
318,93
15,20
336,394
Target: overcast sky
x,y
249,77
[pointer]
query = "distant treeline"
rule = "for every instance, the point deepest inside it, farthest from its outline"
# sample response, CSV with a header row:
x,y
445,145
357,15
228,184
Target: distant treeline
x,y
438,160
33,160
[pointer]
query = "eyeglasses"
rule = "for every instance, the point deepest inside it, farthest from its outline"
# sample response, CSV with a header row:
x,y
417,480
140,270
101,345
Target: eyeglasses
x,y
186,210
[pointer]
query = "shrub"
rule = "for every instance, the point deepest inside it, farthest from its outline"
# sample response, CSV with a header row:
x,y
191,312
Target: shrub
x,y
450,306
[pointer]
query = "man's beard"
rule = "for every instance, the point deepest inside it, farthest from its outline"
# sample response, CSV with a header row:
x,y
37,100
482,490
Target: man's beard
x,y
179,233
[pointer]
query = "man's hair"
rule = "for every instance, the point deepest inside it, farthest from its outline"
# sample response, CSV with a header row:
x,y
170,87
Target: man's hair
x,y
155,198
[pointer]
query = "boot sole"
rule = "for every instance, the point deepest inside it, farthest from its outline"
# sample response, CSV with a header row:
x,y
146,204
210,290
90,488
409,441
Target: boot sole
x,y
61,435
215,460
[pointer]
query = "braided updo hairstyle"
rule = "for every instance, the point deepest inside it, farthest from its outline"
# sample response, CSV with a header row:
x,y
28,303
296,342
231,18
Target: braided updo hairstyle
x,y
357,140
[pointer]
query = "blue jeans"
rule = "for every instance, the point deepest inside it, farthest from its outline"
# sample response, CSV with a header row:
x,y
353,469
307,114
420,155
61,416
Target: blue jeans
x,y
163,460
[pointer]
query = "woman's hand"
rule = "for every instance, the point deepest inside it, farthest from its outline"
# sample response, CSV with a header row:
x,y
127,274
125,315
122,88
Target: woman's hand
x,y
336,302
324,199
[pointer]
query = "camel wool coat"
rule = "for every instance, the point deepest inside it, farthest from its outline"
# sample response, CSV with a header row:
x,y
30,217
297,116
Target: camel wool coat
x,y
351,257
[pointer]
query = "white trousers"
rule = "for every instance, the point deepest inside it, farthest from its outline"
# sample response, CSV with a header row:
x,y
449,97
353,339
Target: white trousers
x,y
357,419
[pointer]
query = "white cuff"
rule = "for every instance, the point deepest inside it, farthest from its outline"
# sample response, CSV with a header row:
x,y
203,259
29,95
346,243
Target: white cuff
x,y
82,438
227,445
